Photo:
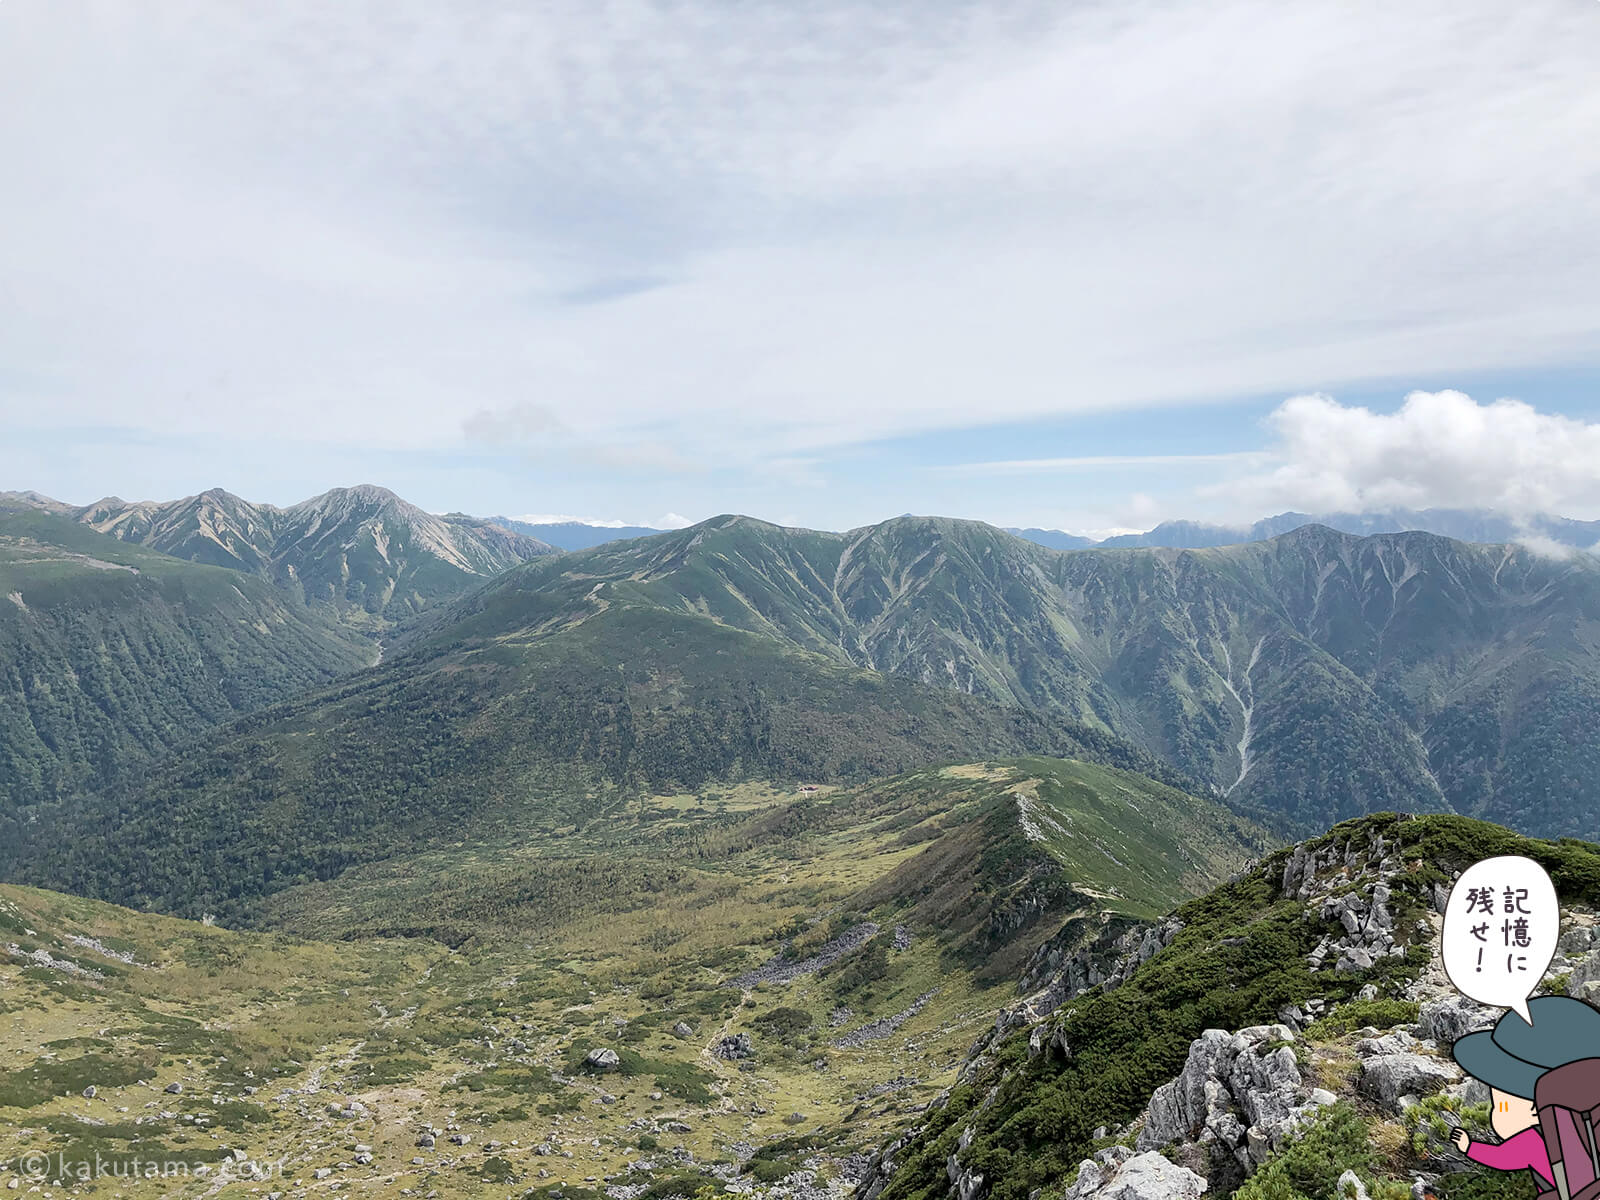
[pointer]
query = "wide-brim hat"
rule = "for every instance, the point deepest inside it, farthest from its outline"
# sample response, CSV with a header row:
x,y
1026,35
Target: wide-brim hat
x,y
1511,1056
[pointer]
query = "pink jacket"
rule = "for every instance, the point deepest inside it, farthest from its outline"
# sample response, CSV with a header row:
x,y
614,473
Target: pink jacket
x,y
1526,1149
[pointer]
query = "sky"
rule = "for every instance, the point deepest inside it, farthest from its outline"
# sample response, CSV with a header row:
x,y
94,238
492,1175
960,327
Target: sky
x,y
1084,266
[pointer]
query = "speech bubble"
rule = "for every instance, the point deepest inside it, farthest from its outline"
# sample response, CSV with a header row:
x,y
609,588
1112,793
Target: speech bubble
x,y
1500,931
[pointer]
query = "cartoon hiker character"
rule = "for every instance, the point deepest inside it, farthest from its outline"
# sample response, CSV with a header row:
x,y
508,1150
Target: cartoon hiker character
x,y
1544,1091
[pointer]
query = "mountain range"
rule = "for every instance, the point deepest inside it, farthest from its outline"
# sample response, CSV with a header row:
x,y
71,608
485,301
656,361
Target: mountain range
x,y
220,528
361,551
1467,525
575,535
1307,678
1302,680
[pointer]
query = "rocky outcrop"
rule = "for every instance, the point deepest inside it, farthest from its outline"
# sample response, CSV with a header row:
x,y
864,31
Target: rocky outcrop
x,y
1367,928
1239,1093
40,957
1090,952
735,1045
1240,1096
1395,1069
965,1183
1450,1017
783,969
1578,952
1147,1176
884,1026
1106,950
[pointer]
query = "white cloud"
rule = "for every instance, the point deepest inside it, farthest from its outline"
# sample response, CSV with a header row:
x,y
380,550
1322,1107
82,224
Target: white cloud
x,y
790,226
1548,547
1438,450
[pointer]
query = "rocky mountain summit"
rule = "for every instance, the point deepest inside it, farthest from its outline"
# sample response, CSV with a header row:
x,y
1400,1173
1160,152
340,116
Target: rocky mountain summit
x,y
1342,1019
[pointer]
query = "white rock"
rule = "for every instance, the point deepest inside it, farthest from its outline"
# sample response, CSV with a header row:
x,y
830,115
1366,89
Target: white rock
x,y
1150,1176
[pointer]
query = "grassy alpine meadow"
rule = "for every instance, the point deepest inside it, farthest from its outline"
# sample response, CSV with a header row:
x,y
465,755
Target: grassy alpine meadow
x,y
765,983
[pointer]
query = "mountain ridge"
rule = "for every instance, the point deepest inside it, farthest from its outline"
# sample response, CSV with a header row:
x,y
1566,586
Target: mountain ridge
x,y
1483,526
1404,650
575,535
362,551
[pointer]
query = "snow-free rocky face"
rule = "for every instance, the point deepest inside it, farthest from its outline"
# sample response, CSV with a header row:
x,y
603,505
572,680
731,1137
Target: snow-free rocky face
x,y
1126,1076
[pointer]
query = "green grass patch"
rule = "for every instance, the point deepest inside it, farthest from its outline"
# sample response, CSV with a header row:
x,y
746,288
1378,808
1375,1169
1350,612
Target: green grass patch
x,y
1310,1166
47,1079
1358,1014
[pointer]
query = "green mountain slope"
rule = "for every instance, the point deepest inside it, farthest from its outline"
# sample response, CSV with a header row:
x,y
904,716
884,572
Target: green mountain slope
x,y
966,855
1312,677
1303,679
548,730
1015,849
111,655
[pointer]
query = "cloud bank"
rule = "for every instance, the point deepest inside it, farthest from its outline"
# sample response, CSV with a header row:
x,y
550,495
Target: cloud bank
x,y
699,231
1438,450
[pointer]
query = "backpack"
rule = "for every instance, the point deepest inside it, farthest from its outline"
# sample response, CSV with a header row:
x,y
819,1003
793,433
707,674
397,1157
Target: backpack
x,y
1568,1102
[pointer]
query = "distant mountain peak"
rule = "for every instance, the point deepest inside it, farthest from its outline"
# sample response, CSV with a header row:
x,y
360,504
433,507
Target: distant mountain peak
x,y
32,499
365,495
573,533
363,550
1482,526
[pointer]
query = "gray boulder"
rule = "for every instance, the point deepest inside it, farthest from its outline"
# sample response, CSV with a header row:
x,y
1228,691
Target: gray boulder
x,y
1242,1092
682,1030
1450,1017
1387,1077
1179,1109
1091,1178
602,1060
737,1045
1352,959
1112,1156
1584,981
1150,1176
1395,1042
